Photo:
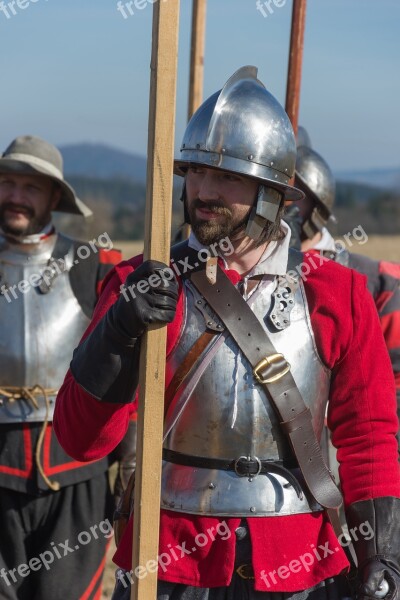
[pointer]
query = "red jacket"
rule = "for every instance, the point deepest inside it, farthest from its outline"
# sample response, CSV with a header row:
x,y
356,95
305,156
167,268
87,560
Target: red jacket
x,y
362,416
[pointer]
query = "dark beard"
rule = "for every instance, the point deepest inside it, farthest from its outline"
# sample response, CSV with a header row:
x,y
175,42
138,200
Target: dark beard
x,y
209,232
34,225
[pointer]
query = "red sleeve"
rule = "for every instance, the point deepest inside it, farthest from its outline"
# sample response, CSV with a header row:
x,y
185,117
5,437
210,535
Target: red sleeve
x,y
86,428
362,406
388,305
107,259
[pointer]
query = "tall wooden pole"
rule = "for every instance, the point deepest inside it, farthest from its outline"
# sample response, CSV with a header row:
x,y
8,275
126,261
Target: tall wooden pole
x,y
197,55
295,62
196,77
153,347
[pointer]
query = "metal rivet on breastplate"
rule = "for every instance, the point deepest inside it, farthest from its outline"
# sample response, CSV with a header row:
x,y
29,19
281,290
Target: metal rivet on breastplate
x,y
252,509
211,486
274,316
219,326
199,302
278,323
290,301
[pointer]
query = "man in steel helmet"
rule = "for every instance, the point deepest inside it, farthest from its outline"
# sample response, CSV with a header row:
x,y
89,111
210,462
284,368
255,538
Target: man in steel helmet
x,y
238,520
315,178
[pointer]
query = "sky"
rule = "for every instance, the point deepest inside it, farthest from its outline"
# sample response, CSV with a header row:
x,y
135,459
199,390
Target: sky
x,y
78,71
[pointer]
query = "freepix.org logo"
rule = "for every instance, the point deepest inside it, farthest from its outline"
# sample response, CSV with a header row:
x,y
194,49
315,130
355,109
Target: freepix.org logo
x,y
8,8
267,7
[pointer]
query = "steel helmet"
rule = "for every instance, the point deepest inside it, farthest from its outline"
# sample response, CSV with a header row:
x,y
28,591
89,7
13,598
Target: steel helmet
x,y
243,129
316,179
303,139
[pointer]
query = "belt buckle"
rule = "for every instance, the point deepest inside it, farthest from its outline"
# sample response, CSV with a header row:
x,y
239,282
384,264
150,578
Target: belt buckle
x,y
247,458
269,361
245,571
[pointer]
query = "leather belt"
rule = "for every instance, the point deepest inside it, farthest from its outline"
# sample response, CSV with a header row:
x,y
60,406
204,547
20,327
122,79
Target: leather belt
x,y
243,466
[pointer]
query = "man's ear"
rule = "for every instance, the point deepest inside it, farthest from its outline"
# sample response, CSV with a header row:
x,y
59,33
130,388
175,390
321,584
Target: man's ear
x,y
56,196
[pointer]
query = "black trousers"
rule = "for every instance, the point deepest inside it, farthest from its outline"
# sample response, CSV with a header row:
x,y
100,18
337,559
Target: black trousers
x,y
53,546
238,589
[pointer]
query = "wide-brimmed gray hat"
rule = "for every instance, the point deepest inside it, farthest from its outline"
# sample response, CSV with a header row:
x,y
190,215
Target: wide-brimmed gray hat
x,y
31,155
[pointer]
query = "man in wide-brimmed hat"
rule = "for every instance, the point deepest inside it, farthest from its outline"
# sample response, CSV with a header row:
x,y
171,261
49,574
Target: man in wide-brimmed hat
x,y
48,289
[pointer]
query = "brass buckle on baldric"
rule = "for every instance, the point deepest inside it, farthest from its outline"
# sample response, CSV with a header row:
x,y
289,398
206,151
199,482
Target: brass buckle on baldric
x,y
269,361
245,571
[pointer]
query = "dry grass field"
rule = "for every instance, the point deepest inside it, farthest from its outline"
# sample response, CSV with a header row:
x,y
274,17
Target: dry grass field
x,y
380,246
377,247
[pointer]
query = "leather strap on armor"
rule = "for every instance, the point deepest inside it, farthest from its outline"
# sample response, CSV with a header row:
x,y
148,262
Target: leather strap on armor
x,y
186,366
272,372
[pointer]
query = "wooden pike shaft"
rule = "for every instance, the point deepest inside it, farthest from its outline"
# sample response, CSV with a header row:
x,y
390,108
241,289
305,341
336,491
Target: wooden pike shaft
x,y
197,55
153,346
295,62
196,77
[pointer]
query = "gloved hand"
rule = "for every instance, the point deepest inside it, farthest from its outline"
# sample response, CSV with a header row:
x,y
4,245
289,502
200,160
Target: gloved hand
x,y
149,296
376,540
106,363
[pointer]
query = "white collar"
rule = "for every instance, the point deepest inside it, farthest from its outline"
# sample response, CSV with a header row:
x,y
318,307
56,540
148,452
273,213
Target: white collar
x,y
35,238
326,242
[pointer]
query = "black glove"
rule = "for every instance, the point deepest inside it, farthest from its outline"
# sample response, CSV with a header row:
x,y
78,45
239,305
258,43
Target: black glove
x,y
293,218
376,540
149,296
106,363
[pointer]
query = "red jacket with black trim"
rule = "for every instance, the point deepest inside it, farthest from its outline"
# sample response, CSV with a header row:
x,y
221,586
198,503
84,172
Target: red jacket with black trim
x,y
18,441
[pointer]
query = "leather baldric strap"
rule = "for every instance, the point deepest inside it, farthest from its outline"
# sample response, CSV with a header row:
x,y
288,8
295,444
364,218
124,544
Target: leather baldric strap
x,y
273,373
186,366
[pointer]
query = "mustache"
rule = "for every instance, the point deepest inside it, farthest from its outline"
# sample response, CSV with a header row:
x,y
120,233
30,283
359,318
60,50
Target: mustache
x,y
11,206
213,206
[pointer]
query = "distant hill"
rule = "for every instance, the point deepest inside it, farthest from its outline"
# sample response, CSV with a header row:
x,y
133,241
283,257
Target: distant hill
x,y
103,162
388,179
112,183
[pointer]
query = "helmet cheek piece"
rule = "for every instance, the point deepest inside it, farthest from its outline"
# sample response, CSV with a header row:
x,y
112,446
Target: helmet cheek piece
x,y
266,209
317,220
183,200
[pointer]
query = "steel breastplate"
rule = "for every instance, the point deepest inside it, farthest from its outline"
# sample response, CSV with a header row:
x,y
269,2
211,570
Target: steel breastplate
x,y
38,329
229,415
